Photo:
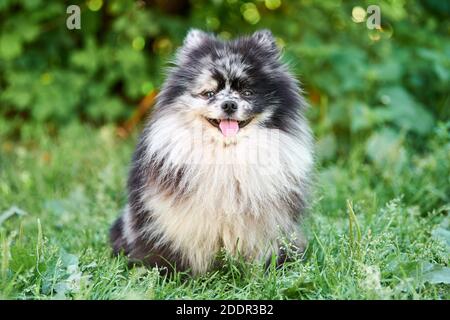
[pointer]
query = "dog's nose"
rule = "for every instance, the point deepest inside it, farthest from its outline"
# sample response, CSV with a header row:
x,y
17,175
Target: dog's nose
x,y
229,106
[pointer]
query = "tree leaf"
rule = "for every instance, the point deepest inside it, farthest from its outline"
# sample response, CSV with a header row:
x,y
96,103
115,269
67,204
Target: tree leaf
x,y
385,148
405,111
435,273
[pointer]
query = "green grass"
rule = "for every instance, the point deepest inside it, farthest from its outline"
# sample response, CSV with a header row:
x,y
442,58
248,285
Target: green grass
x,y
377,229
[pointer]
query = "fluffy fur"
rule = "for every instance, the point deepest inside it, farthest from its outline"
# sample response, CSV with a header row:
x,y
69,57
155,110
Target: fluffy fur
x,y
192,189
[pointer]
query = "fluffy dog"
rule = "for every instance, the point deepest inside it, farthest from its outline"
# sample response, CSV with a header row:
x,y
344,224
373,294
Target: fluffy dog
x,y
224,161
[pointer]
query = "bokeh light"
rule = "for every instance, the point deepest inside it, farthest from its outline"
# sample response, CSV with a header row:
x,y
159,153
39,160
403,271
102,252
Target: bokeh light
x,y
95,5
213,23
138,43
358,14
163,46
272,4
250,13
225,35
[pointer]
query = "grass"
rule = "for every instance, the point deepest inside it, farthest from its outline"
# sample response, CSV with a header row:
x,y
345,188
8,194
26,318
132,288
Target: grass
x,y
377,230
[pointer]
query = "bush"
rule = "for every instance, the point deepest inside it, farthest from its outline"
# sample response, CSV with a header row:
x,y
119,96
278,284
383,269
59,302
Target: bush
x,y
358,80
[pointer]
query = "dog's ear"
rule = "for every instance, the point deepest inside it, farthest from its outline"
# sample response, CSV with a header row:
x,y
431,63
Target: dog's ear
x,y
266,40
195,37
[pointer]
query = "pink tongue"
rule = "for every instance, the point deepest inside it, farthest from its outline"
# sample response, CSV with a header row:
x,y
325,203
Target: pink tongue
x,y
229,127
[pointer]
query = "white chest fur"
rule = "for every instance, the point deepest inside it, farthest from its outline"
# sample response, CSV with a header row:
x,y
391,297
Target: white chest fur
x,y
236,191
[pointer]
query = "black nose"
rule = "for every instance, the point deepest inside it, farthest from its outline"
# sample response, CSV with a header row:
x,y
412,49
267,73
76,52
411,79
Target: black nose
x,y
229,106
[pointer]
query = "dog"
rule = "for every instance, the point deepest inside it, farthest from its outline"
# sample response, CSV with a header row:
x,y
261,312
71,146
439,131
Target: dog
x,y
224,162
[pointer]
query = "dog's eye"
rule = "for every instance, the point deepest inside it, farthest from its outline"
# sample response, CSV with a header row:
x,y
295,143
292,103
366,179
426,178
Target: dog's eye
x,y
208,94
247,93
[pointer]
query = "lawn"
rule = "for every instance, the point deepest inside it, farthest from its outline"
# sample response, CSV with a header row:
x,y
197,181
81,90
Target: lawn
x,y
378,226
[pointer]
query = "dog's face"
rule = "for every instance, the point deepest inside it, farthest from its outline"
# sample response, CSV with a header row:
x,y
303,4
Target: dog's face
x,y
231,85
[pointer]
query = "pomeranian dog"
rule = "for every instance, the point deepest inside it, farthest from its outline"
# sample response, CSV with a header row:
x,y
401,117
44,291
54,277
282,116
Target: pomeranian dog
x,y
224,162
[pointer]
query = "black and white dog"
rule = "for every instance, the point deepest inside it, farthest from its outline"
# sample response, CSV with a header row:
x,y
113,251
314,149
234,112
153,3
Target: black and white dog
x,y
224,162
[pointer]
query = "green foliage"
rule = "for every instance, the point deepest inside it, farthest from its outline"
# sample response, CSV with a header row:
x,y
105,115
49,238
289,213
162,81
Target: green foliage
x,y
380,110
359,79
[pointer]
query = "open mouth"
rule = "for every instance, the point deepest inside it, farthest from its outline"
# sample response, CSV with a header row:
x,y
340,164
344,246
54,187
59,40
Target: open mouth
x,y
228,127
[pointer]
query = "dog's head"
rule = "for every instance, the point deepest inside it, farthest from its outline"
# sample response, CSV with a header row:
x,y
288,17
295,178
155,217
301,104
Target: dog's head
x,y
232,85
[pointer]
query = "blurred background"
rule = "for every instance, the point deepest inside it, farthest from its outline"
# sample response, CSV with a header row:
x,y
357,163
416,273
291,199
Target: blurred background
x,y
378,88
72,103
